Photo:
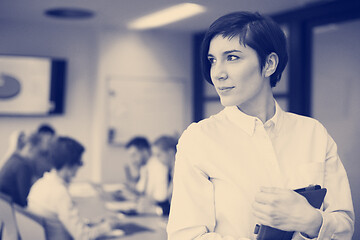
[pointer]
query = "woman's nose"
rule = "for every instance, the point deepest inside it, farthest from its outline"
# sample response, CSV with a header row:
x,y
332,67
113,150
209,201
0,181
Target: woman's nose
x,y
218,72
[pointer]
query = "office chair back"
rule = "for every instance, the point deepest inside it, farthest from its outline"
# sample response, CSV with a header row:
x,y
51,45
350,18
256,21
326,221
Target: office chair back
x,y
1,228
31,226
7,218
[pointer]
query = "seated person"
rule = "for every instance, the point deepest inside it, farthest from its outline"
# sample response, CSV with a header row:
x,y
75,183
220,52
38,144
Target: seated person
x,y
156,181
18,171
49,196
47,134
139,151
17,142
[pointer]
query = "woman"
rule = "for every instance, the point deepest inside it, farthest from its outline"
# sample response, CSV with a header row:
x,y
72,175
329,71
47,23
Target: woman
x,y
237,168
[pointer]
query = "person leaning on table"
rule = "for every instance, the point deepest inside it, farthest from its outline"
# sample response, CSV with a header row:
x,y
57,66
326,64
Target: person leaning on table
x,y
237,168
49,196
19,170
157,186
139,151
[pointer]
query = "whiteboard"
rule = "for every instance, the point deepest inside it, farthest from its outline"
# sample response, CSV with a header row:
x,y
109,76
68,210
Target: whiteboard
x,y
144,107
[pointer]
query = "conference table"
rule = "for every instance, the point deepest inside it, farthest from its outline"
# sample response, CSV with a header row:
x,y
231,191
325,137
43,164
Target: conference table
x,y
95,203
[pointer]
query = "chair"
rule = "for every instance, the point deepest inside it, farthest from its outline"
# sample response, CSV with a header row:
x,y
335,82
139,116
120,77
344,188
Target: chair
x,y
30,226
7,218
35,227
1,229
55,230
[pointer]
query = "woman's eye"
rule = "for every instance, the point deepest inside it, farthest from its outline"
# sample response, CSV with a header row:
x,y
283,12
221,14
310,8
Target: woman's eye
x,y
211,60
232,57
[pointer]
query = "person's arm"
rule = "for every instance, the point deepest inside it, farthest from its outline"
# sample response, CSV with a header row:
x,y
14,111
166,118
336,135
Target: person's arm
x,y
192,214
24,176
156,188
141,184
159,181
286,210
69,216
338,215
132,173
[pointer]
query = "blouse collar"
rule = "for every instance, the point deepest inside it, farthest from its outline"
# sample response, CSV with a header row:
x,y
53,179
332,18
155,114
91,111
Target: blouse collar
x,y
248,123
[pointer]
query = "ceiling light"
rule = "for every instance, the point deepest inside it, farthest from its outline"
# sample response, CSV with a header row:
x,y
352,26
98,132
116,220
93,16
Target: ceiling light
x,y
167,16
69,13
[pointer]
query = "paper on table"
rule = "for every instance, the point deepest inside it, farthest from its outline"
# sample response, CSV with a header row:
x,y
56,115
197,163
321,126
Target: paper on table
x,y
120,215
82,189
120,206
112,187
115,233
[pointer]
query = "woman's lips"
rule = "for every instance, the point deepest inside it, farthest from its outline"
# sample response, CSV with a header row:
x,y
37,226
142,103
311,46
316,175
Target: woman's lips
x,y
225,89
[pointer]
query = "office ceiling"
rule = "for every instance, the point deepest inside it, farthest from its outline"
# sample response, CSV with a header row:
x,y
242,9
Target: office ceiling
x,y
117,13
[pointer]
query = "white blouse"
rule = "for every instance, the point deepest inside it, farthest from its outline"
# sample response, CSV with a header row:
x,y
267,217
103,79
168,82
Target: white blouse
x,y
222,162
49,197
154,180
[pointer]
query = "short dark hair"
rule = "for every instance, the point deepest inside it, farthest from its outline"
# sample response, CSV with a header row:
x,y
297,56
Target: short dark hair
x,y
46,128
259,32
166,143
65,151
139,142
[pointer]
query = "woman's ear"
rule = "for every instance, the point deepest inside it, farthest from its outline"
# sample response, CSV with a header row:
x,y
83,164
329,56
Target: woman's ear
x,y
271,63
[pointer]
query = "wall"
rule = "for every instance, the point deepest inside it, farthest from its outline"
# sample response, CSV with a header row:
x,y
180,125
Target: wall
x,y
336,95
79,46
141,55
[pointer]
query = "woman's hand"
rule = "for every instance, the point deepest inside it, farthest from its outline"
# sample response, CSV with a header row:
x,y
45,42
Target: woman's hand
x,y
286,210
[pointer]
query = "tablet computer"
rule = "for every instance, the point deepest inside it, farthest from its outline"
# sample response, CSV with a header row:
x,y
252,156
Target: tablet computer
x,y
314,194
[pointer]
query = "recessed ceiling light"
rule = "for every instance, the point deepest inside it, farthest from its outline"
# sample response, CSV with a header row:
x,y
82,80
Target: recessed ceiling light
x,y
167,16
69,13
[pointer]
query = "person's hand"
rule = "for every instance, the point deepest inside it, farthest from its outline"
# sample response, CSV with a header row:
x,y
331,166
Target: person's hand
x,y
286,210
144,204
113,221
148,205
125,194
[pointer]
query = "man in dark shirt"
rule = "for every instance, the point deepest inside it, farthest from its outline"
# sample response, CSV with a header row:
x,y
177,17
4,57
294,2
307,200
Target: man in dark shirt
x,y
139,151
16,176
43,164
